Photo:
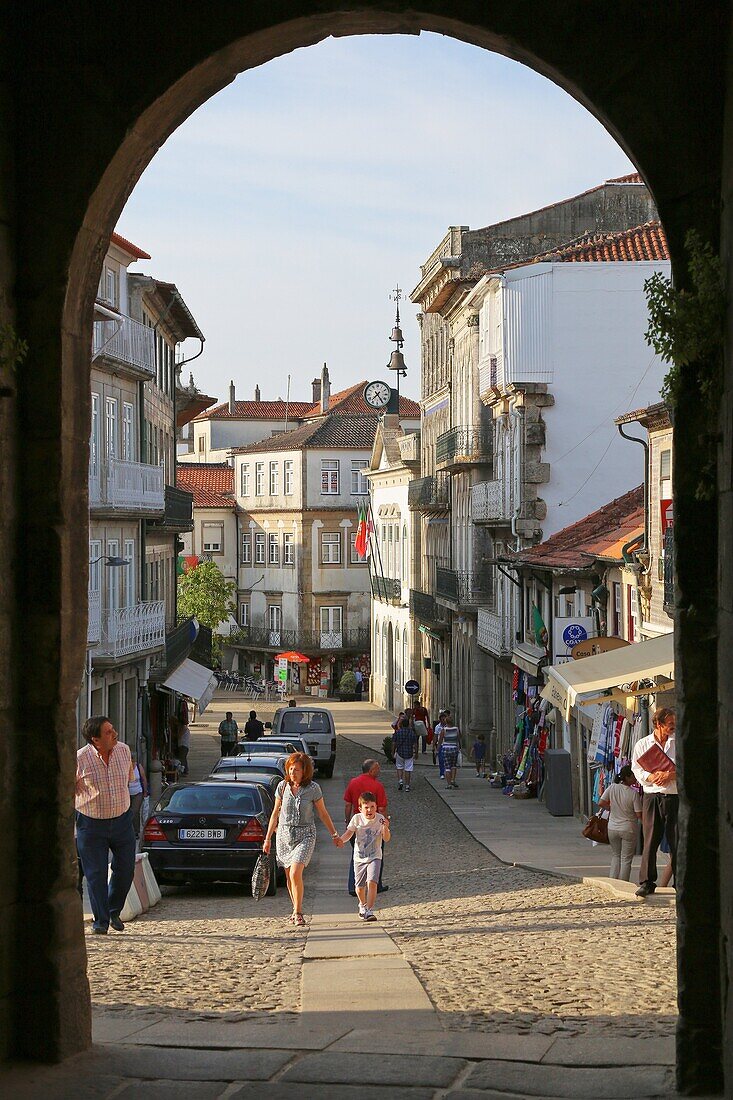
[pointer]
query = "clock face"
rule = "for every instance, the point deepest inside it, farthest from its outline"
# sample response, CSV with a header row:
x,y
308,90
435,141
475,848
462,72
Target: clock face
x,y
377,394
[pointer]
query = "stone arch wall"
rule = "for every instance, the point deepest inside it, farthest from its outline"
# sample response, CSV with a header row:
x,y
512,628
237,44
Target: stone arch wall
x,y
77,133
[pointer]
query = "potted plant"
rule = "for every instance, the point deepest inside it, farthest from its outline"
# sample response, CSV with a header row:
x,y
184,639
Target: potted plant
x,y
347,687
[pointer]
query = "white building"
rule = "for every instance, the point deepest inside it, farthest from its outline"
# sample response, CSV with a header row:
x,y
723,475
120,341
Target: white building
x,y
236,423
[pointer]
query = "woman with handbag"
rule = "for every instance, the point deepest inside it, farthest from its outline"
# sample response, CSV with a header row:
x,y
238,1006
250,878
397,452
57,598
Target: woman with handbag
x,y
624,802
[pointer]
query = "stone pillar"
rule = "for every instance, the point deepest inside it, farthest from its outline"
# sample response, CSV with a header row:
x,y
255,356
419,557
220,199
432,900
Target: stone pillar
x,y
482,692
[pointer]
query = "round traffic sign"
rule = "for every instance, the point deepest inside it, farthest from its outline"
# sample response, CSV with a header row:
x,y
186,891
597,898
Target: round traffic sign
x,y
412,687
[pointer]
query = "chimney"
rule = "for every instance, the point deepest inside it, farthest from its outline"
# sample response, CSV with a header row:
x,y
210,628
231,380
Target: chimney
x,y
316,383
232,405
257,393
325,389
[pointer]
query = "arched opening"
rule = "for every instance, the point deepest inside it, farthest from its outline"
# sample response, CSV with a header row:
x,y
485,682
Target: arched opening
x,y
61,256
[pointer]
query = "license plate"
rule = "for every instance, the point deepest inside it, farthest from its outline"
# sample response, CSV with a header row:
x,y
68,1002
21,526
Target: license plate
x,y
201,834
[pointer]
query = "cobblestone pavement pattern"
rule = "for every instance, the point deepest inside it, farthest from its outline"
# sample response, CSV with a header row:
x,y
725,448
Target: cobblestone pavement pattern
x,y
496,948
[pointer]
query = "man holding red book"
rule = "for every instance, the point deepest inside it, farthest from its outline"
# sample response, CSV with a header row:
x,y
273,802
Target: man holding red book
x,y
653,764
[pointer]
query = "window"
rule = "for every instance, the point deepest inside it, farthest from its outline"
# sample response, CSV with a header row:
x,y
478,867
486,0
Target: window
x,y
288,548
246,549
331,624
108,286
202,445
259,479
274,622
94,441
617,617
244,614
244,479
213,538
259,548
665,465
111,426
113,576
274,479
95,565
359,484
331,548
129,571
127,432
329,476
288,477
354,558
273,549
633,613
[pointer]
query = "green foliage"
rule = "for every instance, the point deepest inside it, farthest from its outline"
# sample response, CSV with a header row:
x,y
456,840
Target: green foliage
x,y
205,593
387,749
347,683
687,329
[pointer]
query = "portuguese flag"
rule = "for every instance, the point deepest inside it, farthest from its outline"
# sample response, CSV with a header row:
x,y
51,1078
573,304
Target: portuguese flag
x,y
361,542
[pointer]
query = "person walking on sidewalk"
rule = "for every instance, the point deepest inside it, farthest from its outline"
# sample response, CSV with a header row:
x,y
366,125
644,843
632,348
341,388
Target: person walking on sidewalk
x,y
253,728
104,821
624,802
660,801
438,745
450,741
404,746
139,790
296,799
229,734
421,725
478,752
359,785
368,828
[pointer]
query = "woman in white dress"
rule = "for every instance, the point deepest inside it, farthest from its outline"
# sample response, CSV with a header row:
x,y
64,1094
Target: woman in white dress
x,y
296,799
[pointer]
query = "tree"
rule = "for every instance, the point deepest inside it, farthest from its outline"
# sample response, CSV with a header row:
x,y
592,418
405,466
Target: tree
x,y
205,593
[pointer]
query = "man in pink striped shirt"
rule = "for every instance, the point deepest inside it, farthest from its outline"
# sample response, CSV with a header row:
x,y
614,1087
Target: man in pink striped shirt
x,y
104,821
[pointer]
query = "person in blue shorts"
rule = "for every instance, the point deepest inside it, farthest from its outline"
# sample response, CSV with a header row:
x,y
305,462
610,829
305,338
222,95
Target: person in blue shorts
x,y
478,755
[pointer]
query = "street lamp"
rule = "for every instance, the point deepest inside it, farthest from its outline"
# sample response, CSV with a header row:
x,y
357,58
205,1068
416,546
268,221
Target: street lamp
x,y
112,560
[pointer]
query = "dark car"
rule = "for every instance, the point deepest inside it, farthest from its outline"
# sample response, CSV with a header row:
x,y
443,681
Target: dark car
x,y
209,832
236,767
272,745
270,780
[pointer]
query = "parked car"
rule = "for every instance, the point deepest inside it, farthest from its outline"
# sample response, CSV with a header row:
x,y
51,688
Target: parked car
x,y
269,779
209,832
272,745
232,766
315,726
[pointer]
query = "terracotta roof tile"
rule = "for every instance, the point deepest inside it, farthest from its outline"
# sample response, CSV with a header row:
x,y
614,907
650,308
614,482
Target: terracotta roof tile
x,y
129,247
331,430
632,177
212,483
257,410
643,242
598,535
351,400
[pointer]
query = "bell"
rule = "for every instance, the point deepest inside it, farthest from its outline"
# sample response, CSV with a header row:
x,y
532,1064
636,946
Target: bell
x,y
396,361
397,336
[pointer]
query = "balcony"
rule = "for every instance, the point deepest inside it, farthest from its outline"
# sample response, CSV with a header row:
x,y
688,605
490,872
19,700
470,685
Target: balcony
x,y
187,640
430,495
669,572
462,448
125,343
424,607
121,486
494,632
177,510
491,502
130,630
303,641
94,620
464,589
387,589
410,447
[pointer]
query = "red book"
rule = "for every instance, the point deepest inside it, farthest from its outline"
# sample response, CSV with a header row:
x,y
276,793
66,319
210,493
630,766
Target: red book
x,y
655,760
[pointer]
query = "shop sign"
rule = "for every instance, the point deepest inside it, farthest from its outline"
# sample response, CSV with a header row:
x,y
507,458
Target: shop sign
x,y
592,646
666,515
282,670
567,632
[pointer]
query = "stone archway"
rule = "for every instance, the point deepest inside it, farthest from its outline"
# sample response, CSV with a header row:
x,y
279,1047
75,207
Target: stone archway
x,y
89,96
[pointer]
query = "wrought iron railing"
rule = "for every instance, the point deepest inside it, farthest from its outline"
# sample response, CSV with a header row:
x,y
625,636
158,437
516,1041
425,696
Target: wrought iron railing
x,y
125,341
669,572
491,502
425,608
432,493
301,640
94,620
387,588
464,445
178,509
122,485
463,588
134,629
493,632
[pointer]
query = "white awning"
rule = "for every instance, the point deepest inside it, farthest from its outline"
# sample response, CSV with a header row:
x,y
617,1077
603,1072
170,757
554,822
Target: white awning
x,y
641,661
527,657
193,680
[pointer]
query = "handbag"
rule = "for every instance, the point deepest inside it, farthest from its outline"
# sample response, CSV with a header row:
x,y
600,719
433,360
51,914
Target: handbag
x,y
596,829
261,876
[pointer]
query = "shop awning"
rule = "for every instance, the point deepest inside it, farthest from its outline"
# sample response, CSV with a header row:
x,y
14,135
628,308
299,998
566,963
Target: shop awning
x,y
642,661
193,680
528,657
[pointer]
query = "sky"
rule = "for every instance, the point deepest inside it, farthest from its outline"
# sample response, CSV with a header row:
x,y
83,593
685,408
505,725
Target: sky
x,y
288,207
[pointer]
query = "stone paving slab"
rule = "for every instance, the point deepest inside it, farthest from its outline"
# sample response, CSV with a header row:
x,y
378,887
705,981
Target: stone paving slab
x,y
584,1051
53,1083
389,1069
347,938
455,1044
172,1090
579,1084
187,1064
307,1034
361,985
117,1027
282,1090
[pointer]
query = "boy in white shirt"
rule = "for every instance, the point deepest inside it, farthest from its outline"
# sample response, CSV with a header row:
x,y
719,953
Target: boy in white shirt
x,y
369,829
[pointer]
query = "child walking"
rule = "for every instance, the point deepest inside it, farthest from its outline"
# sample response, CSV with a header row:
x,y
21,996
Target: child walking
x,y
478,752
369,829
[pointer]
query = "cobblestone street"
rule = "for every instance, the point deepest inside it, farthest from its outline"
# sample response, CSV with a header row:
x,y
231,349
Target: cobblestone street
x,y
496,948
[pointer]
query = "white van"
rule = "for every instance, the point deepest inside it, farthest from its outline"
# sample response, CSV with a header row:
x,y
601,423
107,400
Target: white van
x,y
315,726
